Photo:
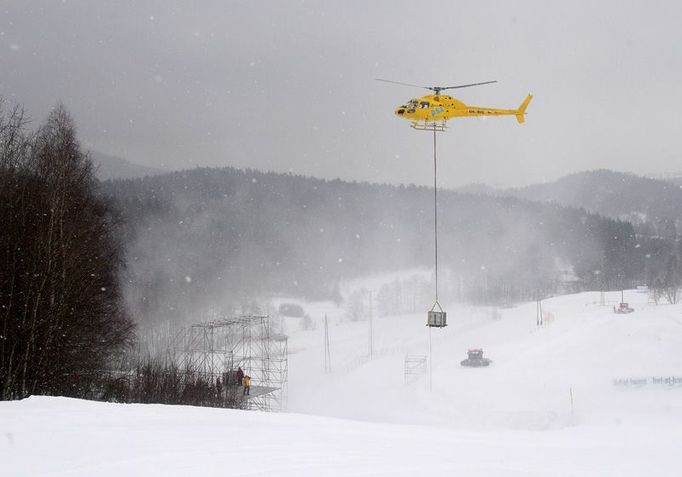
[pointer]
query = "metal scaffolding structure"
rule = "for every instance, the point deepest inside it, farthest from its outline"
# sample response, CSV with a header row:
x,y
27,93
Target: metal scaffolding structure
x,y
415,365
216,349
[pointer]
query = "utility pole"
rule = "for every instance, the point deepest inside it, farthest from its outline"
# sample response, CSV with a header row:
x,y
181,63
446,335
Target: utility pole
x,y
371,331
327,353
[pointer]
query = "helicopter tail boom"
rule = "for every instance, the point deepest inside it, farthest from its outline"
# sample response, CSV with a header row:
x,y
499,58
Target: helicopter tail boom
x,y
521,112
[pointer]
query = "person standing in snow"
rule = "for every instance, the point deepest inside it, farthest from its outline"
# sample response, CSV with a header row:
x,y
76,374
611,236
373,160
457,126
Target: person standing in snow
x,y
239,376
246,382
218,388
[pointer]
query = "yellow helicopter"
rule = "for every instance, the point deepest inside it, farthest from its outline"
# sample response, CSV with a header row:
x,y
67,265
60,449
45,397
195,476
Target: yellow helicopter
x,y
432,111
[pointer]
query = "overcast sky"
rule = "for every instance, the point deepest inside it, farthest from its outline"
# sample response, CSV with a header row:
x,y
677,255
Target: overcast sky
x,y
289,85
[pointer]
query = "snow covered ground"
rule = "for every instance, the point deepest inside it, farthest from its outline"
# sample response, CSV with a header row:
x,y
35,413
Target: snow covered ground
x,y
514,418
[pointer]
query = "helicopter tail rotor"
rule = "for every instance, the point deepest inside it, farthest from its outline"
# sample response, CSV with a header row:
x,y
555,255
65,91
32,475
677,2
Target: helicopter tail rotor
x,y
521,112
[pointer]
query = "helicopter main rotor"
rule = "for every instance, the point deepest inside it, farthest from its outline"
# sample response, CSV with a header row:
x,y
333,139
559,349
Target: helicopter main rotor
x,y
436,89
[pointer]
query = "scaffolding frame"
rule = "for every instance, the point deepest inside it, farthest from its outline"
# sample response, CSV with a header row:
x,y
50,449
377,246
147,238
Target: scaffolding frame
x,y
415,365
217,348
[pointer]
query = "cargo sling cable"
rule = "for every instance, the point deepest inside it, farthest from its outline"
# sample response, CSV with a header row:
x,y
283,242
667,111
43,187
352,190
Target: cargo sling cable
x,y
435,214
435,243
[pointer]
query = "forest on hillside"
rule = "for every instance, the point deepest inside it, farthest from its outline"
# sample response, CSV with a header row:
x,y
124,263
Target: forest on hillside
x,y
211,238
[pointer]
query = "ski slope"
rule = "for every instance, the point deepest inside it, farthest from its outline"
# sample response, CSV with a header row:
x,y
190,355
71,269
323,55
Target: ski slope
x,y
535,370
511,419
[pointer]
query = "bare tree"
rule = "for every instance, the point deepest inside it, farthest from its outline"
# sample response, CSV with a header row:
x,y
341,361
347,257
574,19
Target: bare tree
x,y
668,283
672,279
60,303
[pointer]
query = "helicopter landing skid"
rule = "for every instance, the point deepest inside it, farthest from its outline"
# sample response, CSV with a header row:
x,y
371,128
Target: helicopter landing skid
x,y
429,125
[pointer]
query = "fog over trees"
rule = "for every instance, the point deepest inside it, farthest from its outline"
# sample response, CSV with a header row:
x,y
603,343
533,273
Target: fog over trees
x,y
220,238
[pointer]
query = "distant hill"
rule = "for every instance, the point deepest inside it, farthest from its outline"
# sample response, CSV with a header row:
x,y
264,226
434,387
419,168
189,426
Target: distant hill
x,y
113,167
676,179
477,188
205,236
654,206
